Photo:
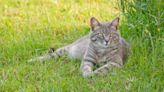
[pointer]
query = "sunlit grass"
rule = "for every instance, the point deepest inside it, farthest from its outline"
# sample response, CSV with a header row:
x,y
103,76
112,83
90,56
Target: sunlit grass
x,y
29,27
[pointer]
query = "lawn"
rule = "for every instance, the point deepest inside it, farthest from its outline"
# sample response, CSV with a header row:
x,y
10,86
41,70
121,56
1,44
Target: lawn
x,y
28,28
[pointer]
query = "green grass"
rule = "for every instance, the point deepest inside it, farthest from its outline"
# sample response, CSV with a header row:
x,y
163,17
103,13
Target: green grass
x,y
29,27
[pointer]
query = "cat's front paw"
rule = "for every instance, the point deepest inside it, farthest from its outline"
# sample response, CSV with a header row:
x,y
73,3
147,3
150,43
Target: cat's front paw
x,y
87,74
99,73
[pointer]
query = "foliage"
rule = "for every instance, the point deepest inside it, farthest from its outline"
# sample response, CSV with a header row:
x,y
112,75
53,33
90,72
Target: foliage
x,y
144,16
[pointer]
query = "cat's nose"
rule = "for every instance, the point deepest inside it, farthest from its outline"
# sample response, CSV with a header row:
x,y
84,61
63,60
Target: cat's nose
x,y
106,42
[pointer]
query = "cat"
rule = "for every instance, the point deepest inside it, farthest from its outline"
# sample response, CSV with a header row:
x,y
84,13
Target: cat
x,y
99,51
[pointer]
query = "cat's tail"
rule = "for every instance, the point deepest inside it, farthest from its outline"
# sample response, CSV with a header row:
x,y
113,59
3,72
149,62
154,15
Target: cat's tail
x,y
52,54
45,57
40,58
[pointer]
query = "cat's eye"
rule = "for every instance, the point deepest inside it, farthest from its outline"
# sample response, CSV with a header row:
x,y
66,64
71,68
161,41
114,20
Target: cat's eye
x,y
115,38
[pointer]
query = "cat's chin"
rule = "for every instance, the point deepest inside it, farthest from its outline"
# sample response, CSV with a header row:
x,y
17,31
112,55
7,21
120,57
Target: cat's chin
x,y
104,46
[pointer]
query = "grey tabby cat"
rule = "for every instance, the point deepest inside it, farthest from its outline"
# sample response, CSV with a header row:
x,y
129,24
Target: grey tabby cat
x,y
99,51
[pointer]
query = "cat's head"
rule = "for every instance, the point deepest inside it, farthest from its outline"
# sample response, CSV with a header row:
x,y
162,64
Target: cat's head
x,y
104,34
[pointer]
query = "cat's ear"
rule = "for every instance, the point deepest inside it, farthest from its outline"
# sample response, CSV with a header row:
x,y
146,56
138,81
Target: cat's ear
x,y
94,23
115,22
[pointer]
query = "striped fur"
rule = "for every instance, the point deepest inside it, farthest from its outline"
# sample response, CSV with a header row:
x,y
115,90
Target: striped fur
x,y
103,47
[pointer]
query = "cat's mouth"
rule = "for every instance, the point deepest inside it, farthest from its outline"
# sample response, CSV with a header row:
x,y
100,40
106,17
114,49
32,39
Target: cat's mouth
x,y
105,45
